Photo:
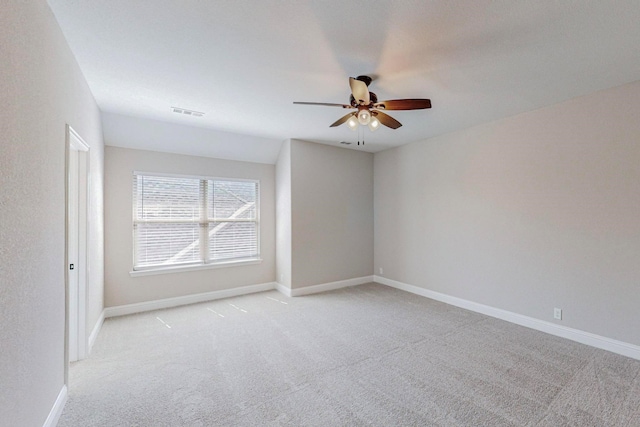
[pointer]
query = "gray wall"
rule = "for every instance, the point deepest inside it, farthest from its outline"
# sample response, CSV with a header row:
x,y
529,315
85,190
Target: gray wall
x,y
525,214
122,289
332,213
283,215
42,90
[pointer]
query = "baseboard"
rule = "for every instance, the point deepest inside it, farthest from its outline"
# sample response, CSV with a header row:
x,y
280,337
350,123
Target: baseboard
x,y
598,341
307,290
283,289
95,332
141,307
56,410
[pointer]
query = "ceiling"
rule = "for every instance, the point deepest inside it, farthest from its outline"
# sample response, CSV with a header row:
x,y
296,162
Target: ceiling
x,y
244,62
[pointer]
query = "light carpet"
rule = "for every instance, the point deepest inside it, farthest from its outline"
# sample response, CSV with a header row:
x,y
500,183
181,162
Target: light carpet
x,y
367,355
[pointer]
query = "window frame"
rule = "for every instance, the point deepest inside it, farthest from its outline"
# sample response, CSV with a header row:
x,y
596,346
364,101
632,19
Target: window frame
x,y
203,223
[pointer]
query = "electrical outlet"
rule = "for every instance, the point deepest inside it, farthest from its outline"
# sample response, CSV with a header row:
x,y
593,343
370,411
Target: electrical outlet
x,y
557,313
381,271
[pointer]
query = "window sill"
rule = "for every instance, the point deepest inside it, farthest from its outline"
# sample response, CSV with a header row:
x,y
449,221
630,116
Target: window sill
x,y
182,269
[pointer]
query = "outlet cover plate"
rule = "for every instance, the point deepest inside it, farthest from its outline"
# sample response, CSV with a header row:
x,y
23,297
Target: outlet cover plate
x,y
557,313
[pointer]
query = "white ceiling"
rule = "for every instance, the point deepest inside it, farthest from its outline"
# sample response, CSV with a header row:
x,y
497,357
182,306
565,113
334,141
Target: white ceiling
x,y
244,62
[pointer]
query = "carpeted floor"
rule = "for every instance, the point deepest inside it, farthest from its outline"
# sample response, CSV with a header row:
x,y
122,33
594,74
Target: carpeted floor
x,y
367,355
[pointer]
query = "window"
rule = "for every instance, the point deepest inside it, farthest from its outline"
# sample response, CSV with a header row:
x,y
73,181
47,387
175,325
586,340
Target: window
x,y
185,221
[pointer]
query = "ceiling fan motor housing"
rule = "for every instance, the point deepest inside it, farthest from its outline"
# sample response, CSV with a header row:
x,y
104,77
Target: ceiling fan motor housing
x,y
372,98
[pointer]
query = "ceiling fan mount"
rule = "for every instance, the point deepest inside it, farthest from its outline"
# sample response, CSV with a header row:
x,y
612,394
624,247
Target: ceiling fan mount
x,y
365,79
369,108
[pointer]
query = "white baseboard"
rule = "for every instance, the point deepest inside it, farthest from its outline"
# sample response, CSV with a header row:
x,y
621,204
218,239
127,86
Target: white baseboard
x,y
598,341
307,290
95,332
56,410
122,310
283,289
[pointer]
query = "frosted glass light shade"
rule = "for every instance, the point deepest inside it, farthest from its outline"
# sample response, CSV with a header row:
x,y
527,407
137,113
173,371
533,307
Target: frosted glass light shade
x,y
352,123
364,117
374,124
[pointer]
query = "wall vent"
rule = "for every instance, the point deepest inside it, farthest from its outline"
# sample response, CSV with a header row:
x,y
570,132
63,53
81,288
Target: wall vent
x,y
186,112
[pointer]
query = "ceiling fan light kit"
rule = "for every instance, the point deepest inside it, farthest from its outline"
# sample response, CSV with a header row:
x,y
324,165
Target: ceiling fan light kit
x,y
374,124
369,109
352,122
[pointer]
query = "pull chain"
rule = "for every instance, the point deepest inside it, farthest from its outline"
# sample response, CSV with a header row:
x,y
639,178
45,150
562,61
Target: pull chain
x,y
360,131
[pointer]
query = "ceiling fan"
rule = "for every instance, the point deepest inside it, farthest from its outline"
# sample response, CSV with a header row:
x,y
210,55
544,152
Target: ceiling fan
x,y
369,108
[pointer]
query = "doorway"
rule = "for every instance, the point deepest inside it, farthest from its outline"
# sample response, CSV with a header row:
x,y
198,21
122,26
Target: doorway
x,y
76,268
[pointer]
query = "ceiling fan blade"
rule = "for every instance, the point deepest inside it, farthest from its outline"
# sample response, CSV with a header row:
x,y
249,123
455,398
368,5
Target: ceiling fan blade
x,y
327,104
342,119
386,120
360,91
403,104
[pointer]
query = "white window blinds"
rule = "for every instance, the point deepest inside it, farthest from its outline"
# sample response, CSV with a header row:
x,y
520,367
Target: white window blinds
x,y
183,221
232,215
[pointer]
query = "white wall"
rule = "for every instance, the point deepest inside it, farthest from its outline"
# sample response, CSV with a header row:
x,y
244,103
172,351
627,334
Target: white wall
x,y
332,213
42,90
528,213
283,215
120,288
154,135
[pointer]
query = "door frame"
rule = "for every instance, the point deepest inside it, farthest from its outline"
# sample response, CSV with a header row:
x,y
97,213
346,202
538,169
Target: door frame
x,y
75,143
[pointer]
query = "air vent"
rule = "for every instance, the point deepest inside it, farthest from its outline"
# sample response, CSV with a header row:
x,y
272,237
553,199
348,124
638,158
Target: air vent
x,y
186,112
345,142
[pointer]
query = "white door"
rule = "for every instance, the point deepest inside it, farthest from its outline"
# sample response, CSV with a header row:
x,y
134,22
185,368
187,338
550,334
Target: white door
x,y
76,243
